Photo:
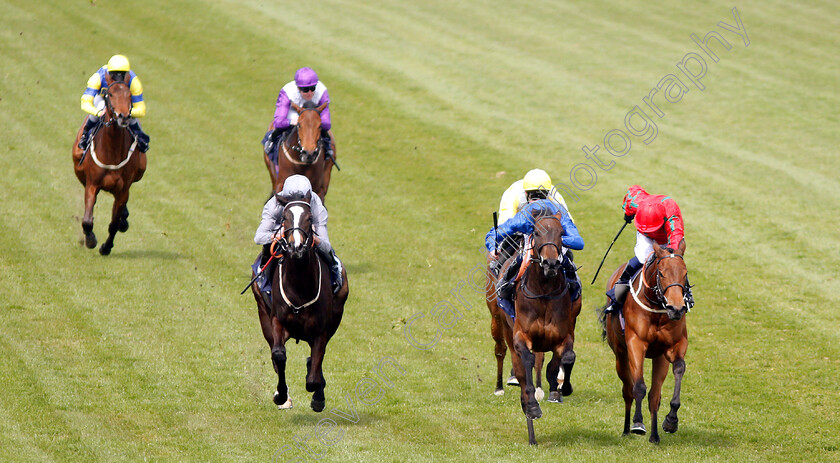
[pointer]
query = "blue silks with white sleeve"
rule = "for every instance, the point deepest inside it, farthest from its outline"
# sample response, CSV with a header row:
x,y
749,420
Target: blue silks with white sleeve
x,y
523,222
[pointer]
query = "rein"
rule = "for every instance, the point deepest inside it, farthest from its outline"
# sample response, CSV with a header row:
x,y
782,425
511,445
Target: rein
x,y
110,111
308,242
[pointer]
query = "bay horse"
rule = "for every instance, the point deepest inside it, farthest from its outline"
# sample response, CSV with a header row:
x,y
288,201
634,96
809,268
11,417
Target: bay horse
x,y
501,329
302,152
654,327
111,163
303,305
545,319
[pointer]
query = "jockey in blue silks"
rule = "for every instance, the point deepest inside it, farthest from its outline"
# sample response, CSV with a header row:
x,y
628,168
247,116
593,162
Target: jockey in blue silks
x,y
523,222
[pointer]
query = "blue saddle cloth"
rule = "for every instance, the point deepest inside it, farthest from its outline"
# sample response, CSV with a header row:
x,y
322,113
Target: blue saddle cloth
x,y
273,156
265,287
507,306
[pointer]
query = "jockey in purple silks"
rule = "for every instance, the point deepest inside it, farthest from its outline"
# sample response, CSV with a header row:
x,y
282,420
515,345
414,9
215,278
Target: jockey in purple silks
x,y
305,87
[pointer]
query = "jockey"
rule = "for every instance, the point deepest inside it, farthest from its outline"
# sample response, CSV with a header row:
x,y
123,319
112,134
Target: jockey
x,y
523,222
117,70
658,219
305,87
272,219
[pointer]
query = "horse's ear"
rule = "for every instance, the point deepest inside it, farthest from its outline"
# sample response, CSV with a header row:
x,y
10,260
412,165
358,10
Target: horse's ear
x,y
682,246
296,107
321,108
656,248
308,196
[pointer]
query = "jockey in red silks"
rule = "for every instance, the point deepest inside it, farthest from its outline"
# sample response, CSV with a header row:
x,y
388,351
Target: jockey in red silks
x,y
658,219
304,88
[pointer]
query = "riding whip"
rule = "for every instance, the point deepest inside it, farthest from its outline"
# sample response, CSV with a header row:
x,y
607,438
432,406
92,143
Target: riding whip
x,y
257,275
608,251
495,226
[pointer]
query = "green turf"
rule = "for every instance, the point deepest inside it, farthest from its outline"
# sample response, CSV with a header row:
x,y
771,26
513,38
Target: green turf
x,y
150,354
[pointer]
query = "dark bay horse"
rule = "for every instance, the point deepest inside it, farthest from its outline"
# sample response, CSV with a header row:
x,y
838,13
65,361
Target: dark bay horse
x,y
501,328
111,163
545,319
303,306
654,328
302,152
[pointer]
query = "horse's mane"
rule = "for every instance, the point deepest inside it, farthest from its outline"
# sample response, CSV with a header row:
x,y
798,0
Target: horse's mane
x,y
308,104
295,197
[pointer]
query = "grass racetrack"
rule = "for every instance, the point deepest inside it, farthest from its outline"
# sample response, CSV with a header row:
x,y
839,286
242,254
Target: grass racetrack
x,y
151,354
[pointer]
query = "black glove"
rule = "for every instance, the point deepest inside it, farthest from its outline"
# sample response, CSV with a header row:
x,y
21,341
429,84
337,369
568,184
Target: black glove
x,y
628,218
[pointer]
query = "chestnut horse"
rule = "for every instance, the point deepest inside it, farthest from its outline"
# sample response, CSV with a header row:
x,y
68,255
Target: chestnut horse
x,y
654,328
304,306
302,152
111,163
545,319
501,328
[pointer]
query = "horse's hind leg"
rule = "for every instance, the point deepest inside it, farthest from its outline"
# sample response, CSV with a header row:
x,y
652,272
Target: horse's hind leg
x,y
567,361
120,199
658,373
671,421
552,372
87,221
501,351
315,381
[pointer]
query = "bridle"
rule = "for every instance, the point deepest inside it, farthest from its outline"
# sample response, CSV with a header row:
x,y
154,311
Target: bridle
x,y
298,147
658,290
308,235
538,259
109,108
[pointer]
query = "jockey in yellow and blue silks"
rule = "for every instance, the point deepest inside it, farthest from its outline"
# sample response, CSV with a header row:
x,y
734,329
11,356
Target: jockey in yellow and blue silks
x,y
118,69
523,222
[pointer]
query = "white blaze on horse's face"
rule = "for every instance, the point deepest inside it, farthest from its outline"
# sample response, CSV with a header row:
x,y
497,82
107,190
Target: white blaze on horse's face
x,y
297,236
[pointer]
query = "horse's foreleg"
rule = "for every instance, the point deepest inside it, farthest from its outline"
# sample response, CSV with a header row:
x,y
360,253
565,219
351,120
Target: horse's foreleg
x,y
538,369
315,381
658,373
278,359
671,421
530,406
636,357
120,200
87,221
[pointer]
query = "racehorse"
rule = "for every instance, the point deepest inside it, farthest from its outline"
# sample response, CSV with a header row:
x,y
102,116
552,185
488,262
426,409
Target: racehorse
x,y
654,327
501,328
303,306
302,152
545,319
113,164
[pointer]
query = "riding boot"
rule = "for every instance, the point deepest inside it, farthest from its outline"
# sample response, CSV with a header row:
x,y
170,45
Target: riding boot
x,y
507,283
142,137
618,293
327,141
335,268
572,279
262,277
83,141
273,137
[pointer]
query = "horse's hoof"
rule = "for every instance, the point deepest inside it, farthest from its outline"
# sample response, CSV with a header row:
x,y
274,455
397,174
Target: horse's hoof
x,y
123,226
90,241
499,392
104,251
318,405
669,425
282,406
533,411
638,428
567,388
539,394
512,381
555,397
654,438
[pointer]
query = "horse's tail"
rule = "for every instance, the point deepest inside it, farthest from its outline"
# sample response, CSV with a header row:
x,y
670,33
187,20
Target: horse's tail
x,y
602,317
